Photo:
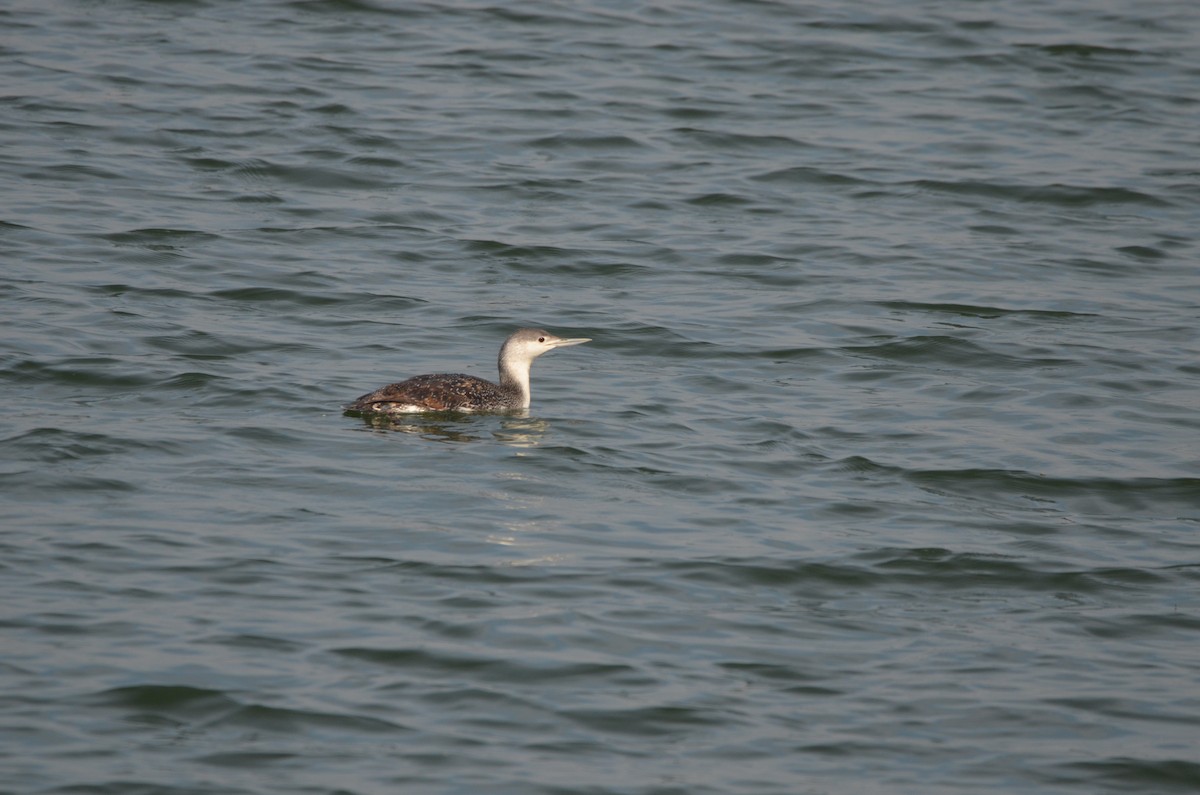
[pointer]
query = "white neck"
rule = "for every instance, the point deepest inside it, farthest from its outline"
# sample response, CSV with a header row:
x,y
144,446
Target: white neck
x,y
514,374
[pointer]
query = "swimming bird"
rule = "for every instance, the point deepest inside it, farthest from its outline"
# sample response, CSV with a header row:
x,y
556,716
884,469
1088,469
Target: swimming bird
x,y
458,392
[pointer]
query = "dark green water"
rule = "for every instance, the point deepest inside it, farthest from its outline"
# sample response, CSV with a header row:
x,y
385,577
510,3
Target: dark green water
x,y
880,475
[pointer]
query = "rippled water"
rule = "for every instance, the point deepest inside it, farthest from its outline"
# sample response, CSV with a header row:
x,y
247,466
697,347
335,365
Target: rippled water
x,y
881,474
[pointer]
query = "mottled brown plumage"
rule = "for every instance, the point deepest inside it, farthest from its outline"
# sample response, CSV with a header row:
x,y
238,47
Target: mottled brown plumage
x,y
439,392
458,392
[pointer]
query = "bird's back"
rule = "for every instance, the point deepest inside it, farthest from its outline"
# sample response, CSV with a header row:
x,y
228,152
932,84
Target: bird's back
x,y
440,392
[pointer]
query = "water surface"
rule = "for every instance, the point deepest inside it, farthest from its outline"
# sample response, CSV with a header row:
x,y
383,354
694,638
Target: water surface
x,y
879,476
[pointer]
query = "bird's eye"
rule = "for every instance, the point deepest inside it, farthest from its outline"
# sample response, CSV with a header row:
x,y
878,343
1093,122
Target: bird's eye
x,y
541,339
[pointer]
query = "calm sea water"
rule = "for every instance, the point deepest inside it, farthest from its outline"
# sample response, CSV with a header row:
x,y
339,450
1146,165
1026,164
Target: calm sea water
x,y
881,474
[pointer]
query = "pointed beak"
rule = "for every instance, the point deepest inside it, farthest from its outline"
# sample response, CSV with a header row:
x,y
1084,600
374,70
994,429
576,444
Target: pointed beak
x,y
561,343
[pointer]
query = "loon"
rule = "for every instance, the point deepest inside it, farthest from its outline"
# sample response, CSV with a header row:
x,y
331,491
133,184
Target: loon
x,y
458,392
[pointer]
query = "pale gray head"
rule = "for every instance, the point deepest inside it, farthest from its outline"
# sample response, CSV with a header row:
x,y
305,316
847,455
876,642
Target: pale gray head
x,y
520,349
529,343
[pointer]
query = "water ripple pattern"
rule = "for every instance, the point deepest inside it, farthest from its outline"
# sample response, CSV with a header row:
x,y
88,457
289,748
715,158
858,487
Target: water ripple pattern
x,y
881,473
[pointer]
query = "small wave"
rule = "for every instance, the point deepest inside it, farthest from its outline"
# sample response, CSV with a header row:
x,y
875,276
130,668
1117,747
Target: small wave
x,y
179,700
950,351
581,141
971,310
1135,774
1056,194
1088,496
